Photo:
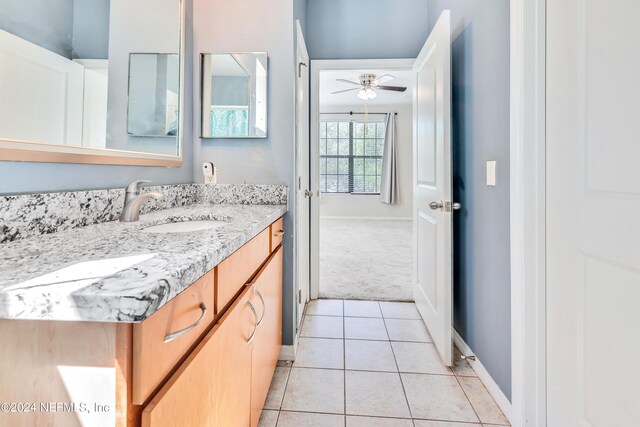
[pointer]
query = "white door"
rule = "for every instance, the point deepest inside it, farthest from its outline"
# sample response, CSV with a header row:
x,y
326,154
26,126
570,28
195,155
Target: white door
x,y
45,94
432,186
302,172
593,213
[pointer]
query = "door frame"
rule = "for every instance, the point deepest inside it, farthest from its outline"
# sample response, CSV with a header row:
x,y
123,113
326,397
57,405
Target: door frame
x,y
316,67
527,205
300,286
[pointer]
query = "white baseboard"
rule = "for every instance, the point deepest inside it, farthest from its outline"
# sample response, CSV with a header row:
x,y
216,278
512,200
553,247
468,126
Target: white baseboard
x,y
485,377
381,218
288,352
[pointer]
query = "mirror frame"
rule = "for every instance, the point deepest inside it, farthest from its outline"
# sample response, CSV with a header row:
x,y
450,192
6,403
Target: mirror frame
x,y
201,109
26,151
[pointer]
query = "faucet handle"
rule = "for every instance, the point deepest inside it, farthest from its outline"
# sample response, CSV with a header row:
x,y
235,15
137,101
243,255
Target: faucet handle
x,y
134,187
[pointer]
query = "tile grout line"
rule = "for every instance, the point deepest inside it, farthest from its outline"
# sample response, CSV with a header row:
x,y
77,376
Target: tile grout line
x,y
345,370
377,372
465,393
390,418
406,398
344,365
467,396
362,317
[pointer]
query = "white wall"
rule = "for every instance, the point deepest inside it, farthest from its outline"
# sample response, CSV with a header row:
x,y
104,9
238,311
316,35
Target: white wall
x,y
359,206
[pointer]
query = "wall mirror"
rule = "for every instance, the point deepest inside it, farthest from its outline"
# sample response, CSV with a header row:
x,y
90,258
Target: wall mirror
x,y
234,95
91,81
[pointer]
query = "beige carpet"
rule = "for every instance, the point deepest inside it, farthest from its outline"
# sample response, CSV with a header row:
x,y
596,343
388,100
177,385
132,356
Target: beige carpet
x,y
366,259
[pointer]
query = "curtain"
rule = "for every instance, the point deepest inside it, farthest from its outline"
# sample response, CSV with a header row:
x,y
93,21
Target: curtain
x,y
389,185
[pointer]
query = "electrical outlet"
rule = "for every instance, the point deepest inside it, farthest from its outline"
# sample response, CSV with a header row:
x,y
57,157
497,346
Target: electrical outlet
x,y
491,173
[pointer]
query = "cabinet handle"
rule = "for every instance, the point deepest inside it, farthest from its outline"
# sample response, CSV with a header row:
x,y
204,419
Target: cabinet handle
x,y
181,332
255,327
278,233
264,307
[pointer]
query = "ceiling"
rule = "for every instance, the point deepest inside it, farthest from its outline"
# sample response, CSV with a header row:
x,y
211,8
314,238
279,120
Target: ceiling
x,y
329,84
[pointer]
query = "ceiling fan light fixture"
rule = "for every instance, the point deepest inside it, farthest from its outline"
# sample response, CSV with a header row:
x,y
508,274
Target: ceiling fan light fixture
x,y
362,94
371,93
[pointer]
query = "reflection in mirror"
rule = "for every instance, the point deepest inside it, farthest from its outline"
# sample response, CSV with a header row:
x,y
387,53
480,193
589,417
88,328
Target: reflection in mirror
x,y
154,81
234,95
85,73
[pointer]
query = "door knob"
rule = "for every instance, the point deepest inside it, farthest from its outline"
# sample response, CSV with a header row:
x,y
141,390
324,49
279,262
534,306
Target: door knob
x,y
445,206
308,193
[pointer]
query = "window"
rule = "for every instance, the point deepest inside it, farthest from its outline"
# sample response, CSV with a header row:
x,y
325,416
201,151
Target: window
x,y
351,156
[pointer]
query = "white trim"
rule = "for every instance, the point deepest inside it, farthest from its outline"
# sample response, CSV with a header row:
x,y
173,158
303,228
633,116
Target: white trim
x,y
527,175
485,377
294,194
382,218
289,352
316,67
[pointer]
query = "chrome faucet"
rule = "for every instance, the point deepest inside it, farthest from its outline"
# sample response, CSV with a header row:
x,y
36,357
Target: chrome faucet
x,y
133,200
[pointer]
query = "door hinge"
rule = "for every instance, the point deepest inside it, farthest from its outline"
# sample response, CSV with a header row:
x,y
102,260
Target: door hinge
x,y
299,296
300,65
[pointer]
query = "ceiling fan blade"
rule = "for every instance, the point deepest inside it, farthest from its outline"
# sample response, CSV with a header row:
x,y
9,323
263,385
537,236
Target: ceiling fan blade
x,y
346,90
348,81
383,79
392,88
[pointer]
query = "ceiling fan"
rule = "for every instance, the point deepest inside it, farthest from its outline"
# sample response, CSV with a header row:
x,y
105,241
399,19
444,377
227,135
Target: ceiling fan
x,y
368,85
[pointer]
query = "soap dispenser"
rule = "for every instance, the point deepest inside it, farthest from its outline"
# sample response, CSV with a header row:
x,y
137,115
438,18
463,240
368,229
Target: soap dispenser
x,y
210,173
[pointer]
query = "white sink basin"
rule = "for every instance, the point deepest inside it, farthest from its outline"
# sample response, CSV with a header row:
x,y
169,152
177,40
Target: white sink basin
x,y
184,226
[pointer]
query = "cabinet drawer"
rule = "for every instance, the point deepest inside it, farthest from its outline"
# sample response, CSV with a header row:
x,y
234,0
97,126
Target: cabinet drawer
x,y
277,233
213,386
153,358
234,272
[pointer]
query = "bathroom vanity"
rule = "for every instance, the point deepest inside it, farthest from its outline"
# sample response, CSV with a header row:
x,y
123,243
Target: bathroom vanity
x,y
117,324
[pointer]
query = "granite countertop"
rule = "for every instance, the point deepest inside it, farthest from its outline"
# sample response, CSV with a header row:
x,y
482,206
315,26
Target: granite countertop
x,y
113,272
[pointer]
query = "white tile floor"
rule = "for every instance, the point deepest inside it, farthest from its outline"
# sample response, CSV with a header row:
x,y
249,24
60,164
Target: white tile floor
x,y
364,363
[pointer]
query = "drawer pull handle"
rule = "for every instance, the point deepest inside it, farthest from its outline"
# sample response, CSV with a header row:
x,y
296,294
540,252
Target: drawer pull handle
x,y
255,327
181,332
264,307
278,233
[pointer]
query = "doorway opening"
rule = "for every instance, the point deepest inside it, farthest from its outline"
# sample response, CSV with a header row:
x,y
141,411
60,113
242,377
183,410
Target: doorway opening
x,y
364,249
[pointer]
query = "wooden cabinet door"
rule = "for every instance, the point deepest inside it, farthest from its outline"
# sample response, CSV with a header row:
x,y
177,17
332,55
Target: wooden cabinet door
x,y
268,340
212,388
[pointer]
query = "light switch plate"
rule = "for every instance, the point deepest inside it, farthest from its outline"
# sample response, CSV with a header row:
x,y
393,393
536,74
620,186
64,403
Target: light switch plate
x,y
491,173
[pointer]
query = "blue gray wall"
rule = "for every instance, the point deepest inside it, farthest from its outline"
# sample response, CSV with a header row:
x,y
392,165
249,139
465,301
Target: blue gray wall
x,y
91,29
71,28
47,23
254,26
300,13
365,29
26,177
480,72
